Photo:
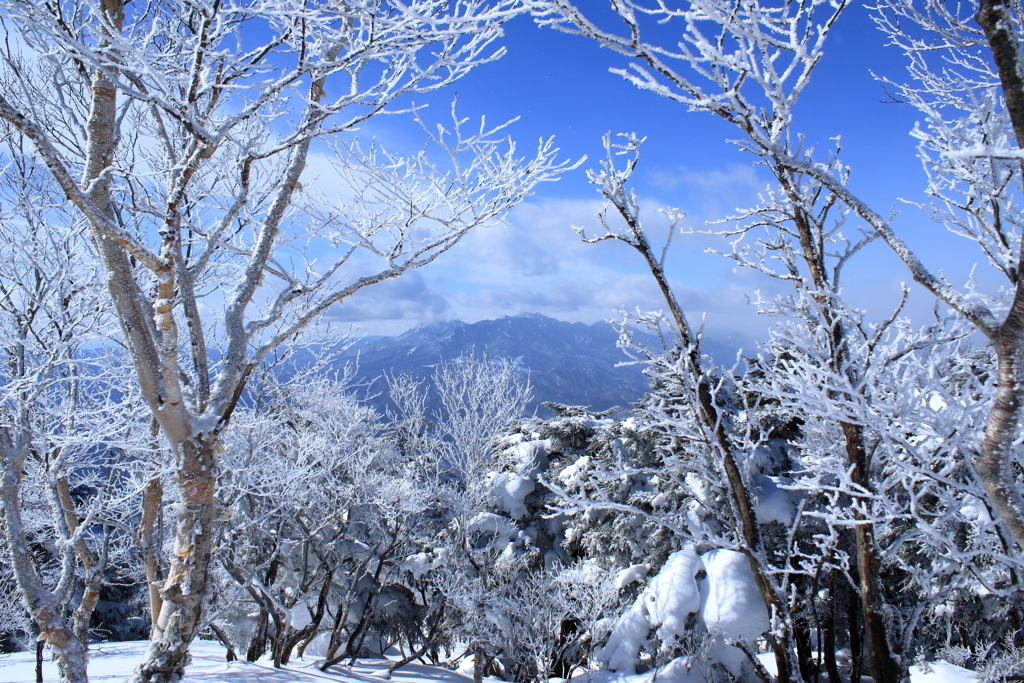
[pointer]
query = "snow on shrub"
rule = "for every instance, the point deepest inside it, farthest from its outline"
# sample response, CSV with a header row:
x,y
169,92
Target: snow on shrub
x,y
713,593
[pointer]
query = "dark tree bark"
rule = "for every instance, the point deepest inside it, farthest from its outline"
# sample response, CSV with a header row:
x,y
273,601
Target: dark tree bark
x,y
884,666
828,627
283,652
805,657
562,665
231,656
856,643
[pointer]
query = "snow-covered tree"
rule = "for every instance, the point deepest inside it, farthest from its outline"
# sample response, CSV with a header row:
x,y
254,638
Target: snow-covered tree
x,y
707,469
748,63
180,134
481,550
66,434
320,514
965,82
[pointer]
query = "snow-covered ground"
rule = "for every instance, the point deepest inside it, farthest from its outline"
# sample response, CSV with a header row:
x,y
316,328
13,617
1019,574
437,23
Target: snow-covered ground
x,y
110,662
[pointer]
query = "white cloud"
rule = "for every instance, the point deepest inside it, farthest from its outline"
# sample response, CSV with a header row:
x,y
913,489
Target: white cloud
x,y
709,194
407,298
537,263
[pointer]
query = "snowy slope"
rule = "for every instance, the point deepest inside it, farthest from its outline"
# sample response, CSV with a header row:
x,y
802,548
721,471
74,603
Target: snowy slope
x,y
111,662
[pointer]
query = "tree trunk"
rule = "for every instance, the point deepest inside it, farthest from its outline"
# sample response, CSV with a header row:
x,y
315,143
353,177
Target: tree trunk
x,y
258,641
152,499
181,596
92,566
231,655
429,642
995,463
567,629
154,353
308,631
182,592
804,655
856,644
86,607
885,668
355,639
42,604
479,662
828,627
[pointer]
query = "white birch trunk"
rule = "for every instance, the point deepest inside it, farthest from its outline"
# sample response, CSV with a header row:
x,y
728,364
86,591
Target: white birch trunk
x,y
42,604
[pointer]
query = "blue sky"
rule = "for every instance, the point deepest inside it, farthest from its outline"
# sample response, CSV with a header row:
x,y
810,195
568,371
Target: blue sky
x,y
560,85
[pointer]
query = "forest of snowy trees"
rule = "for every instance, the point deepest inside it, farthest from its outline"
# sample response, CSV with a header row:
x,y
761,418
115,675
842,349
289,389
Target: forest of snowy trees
x,y
176,462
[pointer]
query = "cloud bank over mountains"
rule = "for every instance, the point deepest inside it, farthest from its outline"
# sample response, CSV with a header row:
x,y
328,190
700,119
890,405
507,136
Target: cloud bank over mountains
x,y
538,263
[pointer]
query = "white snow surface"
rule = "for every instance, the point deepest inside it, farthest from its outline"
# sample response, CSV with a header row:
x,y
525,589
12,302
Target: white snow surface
x,y
488,522
772,504
732,609
421,563
113,662
571,474
300,616
676,671
941,672
666,604
637,572
508,492
317,648
529,455
673,672
725,600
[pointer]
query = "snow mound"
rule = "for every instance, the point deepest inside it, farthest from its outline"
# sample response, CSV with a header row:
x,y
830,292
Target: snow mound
x,y
573,473
941,672
732,609
507,492
715,590
666,604
676,671
637,572
531,457
420,564
490,523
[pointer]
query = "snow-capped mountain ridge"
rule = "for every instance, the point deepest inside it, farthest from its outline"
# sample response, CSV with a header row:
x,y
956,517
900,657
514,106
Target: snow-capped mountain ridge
x,y
567,362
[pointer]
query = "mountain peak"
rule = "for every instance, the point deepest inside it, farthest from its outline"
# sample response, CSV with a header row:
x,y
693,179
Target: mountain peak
x,y
569,363
438,327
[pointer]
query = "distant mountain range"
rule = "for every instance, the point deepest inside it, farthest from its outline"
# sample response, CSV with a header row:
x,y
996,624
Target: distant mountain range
x,y
569,363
